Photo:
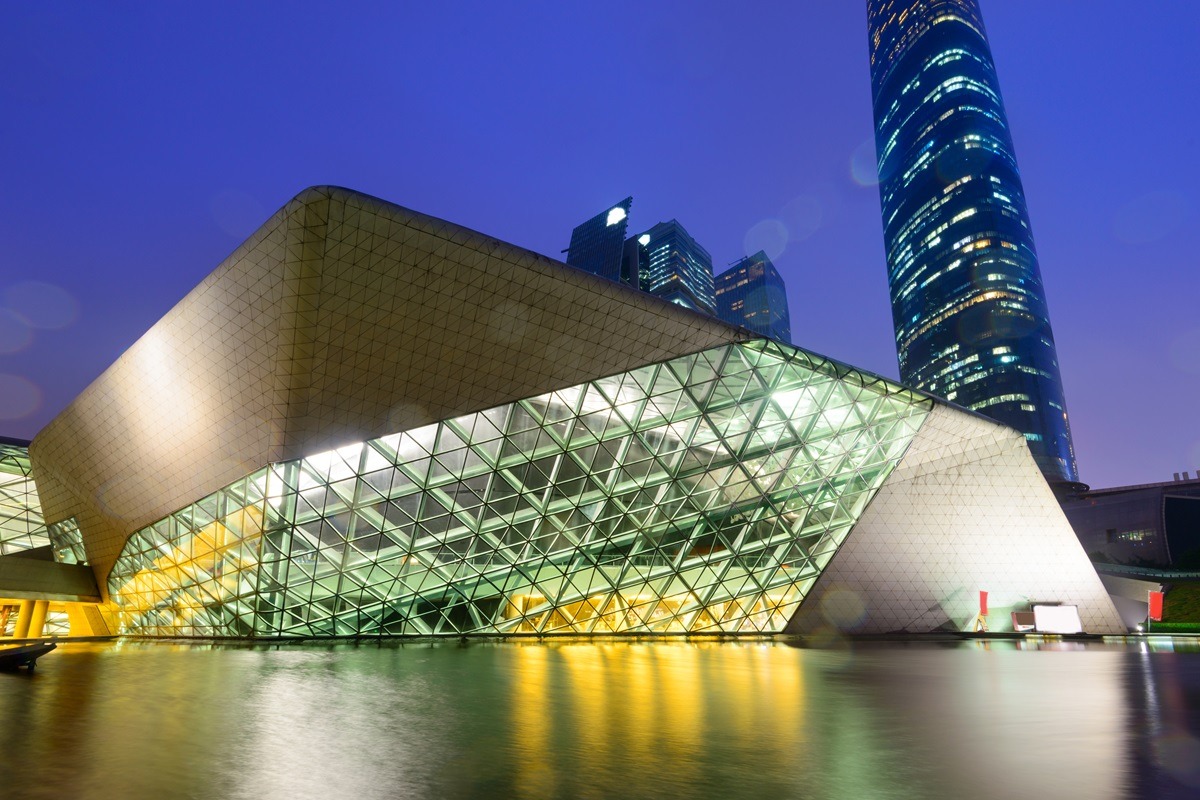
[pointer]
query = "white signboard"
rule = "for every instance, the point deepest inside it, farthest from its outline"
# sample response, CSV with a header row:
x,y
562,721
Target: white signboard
x,y
1057,619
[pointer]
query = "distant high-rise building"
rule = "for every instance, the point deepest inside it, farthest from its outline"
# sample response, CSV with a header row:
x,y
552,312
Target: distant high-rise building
x,y
751,294
968,303
598,245
664,261
674,266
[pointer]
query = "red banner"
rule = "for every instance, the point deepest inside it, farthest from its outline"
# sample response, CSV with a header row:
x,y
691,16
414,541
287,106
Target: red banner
x,y
1156,606
982,603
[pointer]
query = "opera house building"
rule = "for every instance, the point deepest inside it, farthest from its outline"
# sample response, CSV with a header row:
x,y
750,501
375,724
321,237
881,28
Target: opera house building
x,y
370,422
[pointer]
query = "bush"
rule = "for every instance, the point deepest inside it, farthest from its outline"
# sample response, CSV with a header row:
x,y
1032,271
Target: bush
x,y
1174,627
1182,604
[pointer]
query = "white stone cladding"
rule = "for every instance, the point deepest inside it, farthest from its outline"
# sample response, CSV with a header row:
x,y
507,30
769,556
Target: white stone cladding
x,y
965,510
342,319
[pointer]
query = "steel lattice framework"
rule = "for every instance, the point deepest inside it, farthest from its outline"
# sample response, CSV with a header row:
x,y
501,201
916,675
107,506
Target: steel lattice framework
x,y
21,524
705,493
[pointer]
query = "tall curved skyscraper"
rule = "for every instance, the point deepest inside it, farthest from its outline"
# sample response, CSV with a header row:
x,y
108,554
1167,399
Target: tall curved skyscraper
x,y
967,298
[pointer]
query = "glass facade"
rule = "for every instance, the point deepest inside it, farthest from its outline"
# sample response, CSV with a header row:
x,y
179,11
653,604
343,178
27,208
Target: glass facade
x,y
703,494
67,540
968,303
598,245
752,294
21,523
676,268
22,526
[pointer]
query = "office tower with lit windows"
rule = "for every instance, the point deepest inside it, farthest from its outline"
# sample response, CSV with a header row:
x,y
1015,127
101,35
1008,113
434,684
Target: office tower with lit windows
x,y
968,303
598,245
751,294
673,266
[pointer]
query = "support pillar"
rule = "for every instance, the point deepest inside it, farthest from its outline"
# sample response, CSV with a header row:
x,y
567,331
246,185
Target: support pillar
x,y
37,620
85,620
24,617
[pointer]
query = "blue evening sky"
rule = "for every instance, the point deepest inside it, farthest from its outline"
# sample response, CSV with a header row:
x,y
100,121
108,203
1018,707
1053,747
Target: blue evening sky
x,y
143,141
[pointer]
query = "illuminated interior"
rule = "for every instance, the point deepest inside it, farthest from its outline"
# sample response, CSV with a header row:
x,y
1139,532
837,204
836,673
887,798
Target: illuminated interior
x,y
705,493
21,524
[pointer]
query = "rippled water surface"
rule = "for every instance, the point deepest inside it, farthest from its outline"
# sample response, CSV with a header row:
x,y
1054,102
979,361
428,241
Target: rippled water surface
x,y
583,719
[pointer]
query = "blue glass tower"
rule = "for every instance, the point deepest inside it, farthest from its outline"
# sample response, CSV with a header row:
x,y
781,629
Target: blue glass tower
x,y
752,294
673,266
968,304
598,245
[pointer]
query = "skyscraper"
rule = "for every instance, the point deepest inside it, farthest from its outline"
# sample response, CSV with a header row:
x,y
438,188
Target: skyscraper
x,y
752,294
675,267
598,245
968,304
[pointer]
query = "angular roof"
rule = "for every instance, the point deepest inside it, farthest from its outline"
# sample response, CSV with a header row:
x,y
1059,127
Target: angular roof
x,y
342,319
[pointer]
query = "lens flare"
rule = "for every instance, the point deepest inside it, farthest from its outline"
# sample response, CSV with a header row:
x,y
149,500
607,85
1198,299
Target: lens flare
x,y
19,397
803,217
844,609
15,335
770,236
41,305
863,168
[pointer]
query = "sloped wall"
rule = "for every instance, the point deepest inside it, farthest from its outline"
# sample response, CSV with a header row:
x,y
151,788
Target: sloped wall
x,y
343,319
966,510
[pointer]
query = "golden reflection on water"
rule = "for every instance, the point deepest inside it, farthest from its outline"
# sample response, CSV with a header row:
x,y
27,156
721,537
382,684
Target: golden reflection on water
x,y
886,721
599,718
531,730
661,710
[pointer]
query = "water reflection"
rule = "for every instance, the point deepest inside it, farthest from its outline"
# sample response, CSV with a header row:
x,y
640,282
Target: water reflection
x,y
1170,746
613,718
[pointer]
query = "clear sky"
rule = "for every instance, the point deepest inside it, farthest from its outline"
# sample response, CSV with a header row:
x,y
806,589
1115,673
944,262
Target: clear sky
x,y
140,143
